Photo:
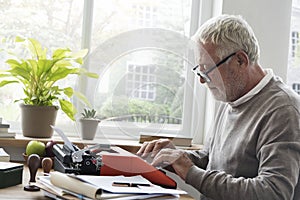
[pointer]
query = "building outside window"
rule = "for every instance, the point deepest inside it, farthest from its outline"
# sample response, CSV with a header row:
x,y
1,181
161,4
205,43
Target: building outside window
x,y
294,43
144,15
296,87
141,81
293,71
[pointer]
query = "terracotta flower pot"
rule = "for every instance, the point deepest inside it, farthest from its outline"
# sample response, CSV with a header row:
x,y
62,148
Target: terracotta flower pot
x,y
36,120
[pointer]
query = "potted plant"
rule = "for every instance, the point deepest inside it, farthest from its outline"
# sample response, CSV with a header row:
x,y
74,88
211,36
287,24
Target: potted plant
x,y
38,74
88,124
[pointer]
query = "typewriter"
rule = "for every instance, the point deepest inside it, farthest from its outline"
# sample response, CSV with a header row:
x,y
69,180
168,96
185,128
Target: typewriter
x,y
106,160
75,160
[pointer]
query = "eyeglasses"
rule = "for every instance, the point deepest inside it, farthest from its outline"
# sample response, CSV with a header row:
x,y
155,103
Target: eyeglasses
x,y
204,74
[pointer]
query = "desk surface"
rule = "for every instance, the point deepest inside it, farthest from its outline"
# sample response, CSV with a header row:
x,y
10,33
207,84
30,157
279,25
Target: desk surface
x,y
17,192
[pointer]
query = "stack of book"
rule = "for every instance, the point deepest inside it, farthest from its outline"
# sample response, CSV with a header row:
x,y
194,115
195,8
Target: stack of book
x,y
177,140
4,131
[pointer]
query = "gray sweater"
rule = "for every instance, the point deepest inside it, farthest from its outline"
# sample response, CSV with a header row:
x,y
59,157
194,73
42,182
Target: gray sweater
x,y
254,149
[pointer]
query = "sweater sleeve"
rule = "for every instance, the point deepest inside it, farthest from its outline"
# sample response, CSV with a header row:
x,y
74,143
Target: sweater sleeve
x,y
199,158
278,152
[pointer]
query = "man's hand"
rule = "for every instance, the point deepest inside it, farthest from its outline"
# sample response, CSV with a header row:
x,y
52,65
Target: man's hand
x,y
177,158
153,147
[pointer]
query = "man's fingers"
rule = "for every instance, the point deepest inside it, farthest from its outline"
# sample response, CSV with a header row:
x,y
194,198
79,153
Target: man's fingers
x,y
163,158
142,149
153,147
160,161
146,148
177,161
167,156
161,143
149,148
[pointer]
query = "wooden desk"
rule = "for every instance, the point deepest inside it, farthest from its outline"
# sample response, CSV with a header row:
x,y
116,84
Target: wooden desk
x,y
18,144
17,192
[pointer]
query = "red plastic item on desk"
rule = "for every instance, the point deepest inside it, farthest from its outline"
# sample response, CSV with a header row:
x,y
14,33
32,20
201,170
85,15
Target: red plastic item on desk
x,y
121,162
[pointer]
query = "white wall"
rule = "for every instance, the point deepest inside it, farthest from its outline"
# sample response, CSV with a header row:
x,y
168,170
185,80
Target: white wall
x,y
270,20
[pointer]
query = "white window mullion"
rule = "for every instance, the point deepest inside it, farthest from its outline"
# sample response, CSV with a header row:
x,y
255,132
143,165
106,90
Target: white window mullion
x,y
87,23
86,37
203,105
193,119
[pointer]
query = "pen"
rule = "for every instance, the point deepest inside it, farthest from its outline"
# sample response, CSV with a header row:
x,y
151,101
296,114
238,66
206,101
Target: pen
x,y
124,184
118,184
140,184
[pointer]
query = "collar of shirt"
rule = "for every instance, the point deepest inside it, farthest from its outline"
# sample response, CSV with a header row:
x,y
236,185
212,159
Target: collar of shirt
x,y
255,90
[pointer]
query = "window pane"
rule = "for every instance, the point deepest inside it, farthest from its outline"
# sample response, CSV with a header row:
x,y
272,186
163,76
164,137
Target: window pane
x,y
158,73
293,73
54,23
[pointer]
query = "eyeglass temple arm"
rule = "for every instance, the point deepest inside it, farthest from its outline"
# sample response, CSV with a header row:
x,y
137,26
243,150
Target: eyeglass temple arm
x,y
217,65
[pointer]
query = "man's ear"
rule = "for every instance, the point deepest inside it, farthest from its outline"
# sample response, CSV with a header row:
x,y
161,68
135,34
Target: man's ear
x,y
240,61
242,58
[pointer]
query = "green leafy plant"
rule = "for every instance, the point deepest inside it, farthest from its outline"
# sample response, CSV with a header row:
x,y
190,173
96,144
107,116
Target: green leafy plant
x,y
38,73
89,113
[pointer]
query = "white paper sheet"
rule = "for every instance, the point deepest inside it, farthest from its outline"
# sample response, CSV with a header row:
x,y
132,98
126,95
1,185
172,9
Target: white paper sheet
x,y
107,183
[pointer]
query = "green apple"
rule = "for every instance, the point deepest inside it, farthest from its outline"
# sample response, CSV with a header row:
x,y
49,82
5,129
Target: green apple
x,y
35,147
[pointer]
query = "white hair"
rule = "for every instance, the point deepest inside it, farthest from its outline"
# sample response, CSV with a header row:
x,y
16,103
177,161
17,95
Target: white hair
x,y
230,33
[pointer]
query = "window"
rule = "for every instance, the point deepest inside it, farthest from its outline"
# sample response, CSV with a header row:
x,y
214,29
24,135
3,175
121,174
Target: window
x,y
293,72
144,15
296,87
143,72
294,44
140,82
131,46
